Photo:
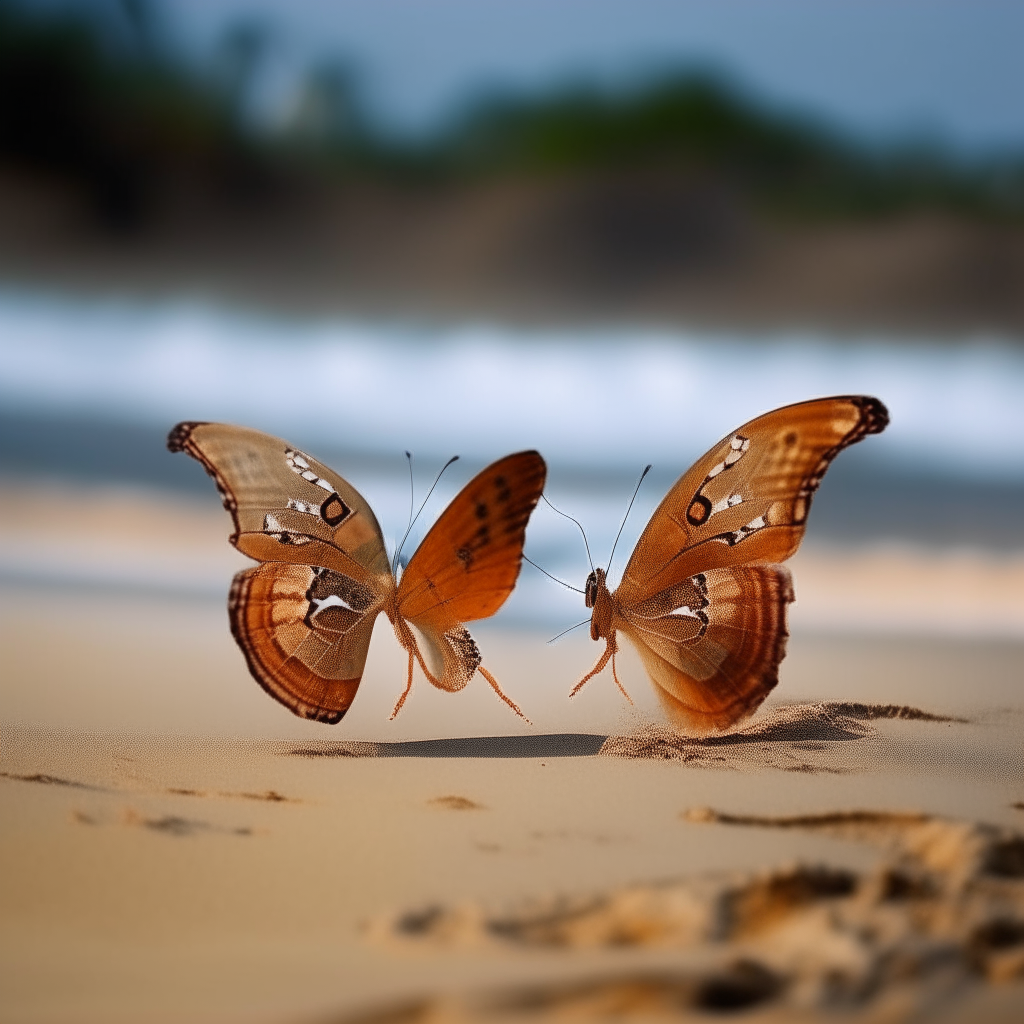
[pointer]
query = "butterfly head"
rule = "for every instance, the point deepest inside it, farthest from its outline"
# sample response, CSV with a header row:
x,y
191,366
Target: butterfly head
x,y
595,581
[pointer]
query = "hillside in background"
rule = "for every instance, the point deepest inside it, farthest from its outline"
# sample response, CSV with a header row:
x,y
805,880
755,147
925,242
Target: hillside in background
x,y
122,166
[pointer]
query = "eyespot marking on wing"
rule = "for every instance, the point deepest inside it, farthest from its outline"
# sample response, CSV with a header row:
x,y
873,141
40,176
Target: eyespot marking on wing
x,y
333,511
701,509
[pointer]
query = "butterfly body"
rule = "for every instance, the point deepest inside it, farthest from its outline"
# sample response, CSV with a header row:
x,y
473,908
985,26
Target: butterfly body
x,y
303,617
703,597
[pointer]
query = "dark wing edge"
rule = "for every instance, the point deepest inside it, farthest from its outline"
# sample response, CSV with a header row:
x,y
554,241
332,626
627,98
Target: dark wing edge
x,y
874,418
180,440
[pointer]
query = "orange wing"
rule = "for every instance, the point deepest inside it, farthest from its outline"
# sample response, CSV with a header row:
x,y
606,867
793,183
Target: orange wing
x,y
305,632
468,563
303,619
712,644
747,499
698,599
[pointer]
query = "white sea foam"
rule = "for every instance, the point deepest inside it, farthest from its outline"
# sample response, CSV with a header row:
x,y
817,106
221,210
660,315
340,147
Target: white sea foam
x,y
597,398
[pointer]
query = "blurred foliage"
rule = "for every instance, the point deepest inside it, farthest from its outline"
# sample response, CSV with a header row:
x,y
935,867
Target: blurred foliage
x,y
89,96
92,96
698,127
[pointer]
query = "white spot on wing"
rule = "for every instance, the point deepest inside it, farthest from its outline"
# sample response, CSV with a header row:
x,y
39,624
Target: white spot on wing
x,y
686,611
303,506
737,449
333,601
730,502
298,463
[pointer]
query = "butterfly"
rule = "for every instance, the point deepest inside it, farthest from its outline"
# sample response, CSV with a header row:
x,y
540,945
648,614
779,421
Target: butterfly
x,y
703,597
304,615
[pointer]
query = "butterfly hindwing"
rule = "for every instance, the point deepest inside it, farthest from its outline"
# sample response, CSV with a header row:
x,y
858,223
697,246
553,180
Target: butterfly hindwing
x,y
286,506
305,632
712,644
747,499
468,562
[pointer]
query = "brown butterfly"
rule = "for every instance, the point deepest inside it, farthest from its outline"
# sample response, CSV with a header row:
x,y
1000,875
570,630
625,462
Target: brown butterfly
x,y
303,617
703,598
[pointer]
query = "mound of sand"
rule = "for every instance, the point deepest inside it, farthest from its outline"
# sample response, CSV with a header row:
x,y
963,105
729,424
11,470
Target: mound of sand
x,y
944,909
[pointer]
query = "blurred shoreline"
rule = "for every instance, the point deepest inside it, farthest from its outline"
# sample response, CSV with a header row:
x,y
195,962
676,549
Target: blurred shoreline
x,y
608,249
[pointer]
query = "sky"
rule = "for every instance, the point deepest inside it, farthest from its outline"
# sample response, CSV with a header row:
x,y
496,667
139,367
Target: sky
x,y
947,70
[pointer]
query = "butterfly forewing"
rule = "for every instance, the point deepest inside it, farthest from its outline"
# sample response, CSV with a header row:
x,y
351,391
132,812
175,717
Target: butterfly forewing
x,y
468,563
287,507
747,499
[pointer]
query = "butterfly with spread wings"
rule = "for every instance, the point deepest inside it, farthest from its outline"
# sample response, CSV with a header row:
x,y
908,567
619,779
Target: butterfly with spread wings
x,y
703,598
304,615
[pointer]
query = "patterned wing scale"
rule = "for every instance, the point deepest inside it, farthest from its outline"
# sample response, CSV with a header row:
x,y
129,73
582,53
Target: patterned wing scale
x,y
468,563
747,499
712,644
303,619
305,632
287,507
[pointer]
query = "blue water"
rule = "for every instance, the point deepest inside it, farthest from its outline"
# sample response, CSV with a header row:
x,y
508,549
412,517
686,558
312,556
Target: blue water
x,y
590,399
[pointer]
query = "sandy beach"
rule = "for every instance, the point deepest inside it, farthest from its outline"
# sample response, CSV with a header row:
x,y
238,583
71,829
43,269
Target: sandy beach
x,y
176,846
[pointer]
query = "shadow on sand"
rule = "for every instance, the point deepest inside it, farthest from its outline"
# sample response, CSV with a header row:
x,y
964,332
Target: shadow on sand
x,y
566,744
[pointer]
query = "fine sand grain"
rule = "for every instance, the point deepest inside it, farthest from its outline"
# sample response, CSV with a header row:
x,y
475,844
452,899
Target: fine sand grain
x,y
174,846
153,878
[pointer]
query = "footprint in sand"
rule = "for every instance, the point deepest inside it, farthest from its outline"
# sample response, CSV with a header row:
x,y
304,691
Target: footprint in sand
x,y
455,803
946,906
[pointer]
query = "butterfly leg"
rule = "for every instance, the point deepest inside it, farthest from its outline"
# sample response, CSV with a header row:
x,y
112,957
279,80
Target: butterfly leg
x,y
497,689
609,650
615,676
408,687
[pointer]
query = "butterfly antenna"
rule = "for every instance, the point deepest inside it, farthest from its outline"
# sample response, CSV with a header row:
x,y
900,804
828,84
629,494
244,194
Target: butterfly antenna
x,y
550,577
582,531
412,493
647,470
412,522
569,630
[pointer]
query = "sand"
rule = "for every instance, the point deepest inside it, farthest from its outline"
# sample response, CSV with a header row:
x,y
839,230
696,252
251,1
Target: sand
x,y
175,846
